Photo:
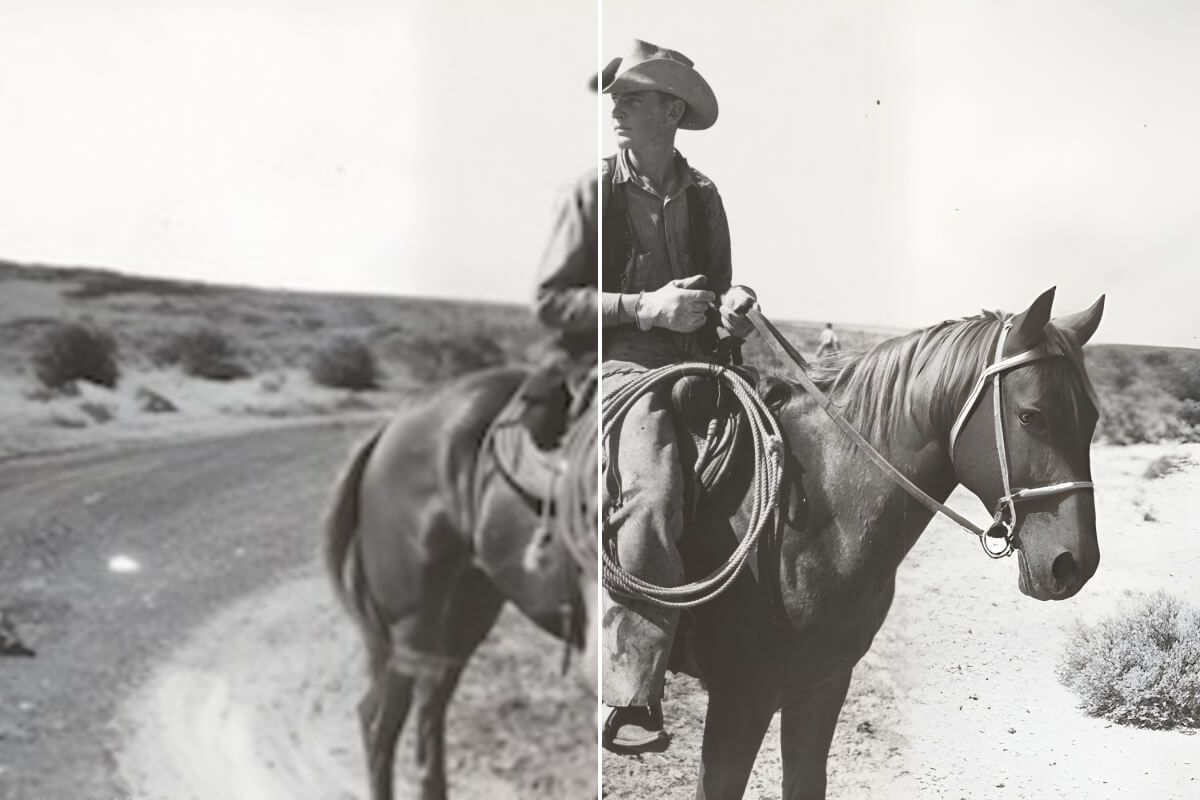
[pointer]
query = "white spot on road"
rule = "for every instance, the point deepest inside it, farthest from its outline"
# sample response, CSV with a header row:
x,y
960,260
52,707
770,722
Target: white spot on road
x,y
123,564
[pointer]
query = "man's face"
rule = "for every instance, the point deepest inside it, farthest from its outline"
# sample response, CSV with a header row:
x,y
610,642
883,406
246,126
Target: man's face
x,y
643,118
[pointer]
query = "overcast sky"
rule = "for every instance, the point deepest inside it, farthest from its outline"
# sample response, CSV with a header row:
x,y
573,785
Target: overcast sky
x,y
356,145
887,163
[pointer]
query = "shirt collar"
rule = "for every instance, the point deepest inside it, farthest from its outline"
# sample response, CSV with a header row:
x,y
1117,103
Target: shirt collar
x,y
624,172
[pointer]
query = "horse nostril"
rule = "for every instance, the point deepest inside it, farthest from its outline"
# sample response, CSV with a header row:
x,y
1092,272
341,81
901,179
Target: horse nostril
x,y
1065,571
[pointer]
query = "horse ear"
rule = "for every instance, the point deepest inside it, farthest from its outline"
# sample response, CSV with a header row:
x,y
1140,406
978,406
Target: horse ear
x,y
1081,326
1027,327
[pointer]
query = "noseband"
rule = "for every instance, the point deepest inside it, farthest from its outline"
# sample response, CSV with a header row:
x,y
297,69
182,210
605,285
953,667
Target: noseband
x,y
1005,519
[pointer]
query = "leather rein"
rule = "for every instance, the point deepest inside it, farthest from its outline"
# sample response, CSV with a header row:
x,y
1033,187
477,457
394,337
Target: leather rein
x,y
1003,523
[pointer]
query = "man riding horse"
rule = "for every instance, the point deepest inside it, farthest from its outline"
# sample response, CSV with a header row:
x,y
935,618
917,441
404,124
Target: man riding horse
x,y
665,291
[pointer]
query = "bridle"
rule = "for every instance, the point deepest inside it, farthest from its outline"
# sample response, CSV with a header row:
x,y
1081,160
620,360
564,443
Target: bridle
x,y
1005,518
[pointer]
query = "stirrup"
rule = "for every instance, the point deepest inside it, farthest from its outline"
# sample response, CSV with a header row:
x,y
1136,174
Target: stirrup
x,y
641,731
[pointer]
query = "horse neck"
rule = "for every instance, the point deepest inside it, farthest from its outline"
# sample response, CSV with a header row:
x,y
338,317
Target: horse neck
x,y
851,501
848,493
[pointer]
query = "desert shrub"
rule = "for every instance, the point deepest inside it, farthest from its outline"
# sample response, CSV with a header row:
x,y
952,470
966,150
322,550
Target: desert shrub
x,y
1143,412
1181,379
1140,667
1146,395
344,363
429,359
72,351
1164,465
100,283
1189,413
204,352
98,412
1118,370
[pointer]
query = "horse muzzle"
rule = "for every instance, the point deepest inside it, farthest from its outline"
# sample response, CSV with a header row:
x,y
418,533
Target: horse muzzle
x,y
1057,550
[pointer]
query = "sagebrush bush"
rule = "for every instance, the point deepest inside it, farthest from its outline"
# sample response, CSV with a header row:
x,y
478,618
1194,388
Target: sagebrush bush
x,y
69,352
344,363
428,359
1140,667
203,352
1146,396
1164,465
1142,412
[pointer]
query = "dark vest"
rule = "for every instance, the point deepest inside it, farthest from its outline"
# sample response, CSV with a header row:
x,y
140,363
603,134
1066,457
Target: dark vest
x,y
617,237
618,244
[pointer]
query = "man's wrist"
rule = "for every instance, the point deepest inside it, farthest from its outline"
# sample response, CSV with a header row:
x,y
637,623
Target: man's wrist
x,y
627,308
643,318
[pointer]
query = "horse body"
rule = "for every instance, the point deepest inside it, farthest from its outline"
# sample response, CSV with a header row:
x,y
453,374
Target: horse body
x,y
788,635
425,549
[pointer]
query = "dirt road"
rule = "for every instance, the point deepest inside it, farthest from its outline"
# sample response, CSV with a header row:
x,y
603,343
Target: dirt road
x,y
188,646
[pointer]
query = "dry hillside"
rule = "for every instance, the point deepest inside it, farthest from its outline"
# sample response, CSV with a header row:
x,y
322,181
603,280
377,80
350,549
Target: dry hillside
x,y
1148,394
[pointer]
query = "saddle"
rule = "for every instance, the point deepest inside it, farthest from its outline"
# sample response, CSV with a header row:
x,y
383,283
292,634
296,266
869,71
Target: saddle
x,y
709,425
543,444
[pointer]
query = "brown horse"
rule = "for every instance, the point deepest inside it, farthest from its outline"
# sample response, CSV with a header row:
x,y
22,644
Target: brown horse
x,y
788,633
425,543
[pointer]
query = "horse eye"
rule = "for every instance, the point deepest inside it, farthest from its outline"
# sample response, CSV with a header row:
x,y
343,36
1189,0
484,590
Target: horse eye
x,y
1029,417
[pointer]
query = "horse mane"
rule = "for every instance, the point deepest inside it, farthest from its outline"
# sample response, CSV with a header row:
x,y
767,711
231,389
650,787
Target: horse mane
x,y
923,375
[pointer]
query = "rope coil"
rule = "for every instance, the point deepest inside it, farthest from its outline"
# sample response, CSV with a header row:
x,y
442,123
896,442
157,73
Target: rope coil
x,y
768,478
577,516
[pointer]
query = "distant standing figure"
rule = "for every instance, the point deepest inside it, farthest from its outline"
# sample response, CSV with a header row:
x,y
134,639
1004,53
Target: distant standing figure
x,y
829,341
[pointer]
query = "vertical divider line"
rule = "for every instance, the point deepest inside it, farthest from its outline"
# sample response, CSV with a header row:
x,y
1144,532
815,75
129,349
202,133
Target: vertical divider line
x,y
598,131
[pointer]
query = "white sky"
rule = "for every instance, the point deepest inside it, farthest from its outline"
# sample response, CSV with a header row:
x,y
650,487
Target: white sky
x,y
415,147
358,145
1014,146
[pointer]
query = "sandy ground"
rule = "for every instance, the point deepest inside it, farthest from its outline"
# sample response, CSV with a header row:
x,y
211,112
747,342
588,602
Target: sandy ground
x,y
259,705
958,698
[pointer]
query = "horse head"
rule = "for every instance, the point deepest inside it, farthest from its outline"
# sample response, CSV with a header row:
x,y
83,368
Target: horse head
x,y
1039,437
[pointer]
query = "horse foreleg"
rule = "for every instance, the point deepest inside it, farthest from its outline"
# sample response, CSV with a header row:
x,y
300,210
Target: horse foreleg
x,y
470,610
734,726
809,720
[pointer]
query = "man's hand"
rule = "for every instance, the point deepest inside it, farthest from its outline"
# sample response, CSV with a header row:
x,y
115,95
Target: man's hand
x,y
679,306
734,305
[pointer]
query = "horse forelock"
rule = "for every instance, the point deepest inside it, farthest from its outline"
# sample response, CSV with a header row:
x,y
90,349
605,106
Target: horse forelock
x,y
1066,379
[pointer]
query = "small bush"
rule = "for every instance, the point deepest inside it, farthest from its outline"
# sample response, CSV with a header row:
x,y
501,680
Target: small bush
x,y
204,352
428,359
1164,465
1139,668
1142,412
99,412
344,363
70,352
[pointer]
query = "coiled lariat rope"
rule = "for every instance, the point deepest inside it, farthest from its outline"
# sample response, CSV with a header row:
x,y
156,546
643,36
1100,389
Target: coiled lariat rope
x,y
768,478
577,514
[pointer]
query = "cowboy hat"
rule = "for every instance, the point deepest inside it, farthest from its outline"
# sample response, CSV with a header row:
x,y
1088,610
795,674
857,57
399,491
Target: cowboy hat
x,y
649,67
